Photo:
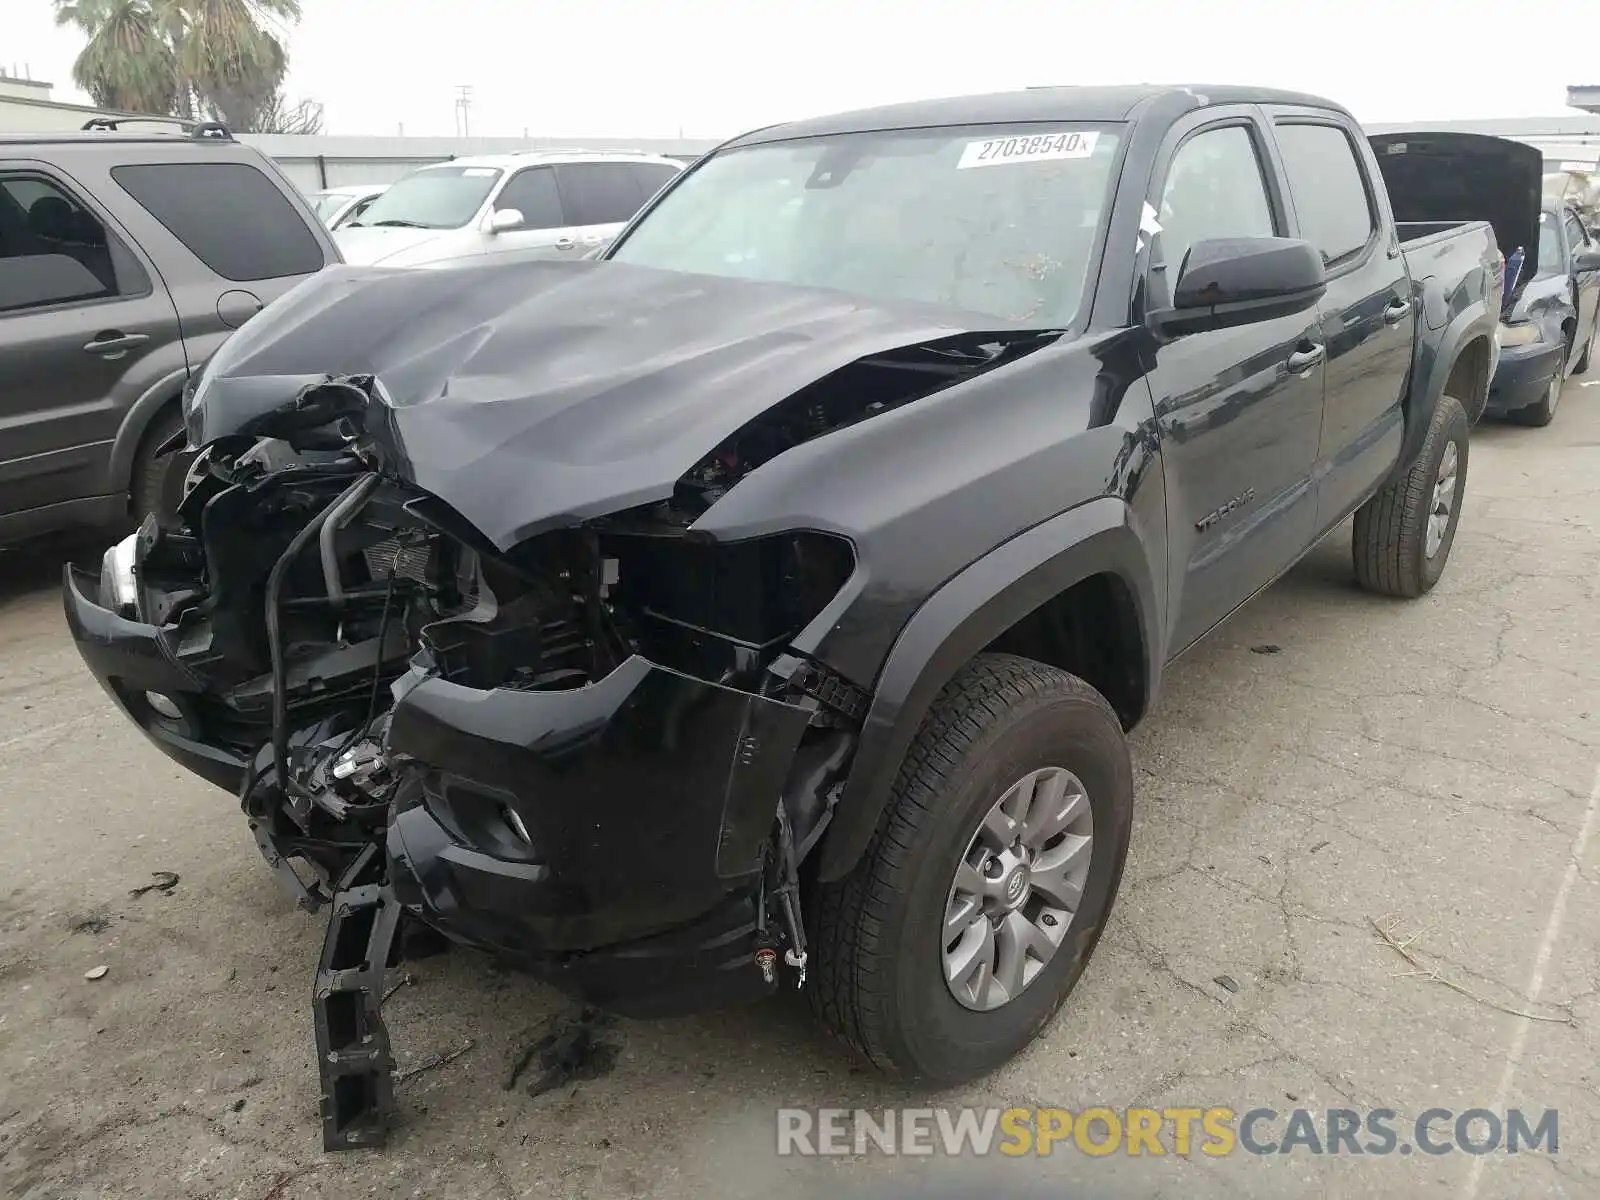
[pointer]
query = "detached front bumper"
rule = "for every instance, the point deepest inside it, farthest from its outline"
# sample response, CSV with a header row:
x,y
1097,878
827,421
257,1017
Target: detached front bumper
x,y
609,838
1523,374
138,667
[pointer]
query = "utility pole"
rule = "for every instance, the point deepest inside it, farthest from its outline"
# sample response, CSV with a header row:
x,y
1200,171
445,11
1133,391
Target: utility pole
x,y
463,108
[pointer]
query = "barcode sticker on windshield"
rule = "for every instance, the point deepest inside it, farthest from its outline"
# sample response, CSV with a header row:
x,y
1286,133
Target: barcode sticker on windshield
x,y
1033,147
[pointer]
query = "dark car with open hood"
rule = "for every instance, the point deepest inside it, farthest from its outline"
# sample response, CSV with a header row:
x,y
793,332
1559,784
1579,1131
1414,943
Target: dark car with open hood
x,y
766,602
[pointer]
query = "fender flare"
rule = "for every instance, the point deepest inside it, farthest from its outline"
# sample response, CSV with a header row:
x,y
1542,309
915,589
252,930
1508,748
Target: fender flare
x,y
167,390
1476,322
964,615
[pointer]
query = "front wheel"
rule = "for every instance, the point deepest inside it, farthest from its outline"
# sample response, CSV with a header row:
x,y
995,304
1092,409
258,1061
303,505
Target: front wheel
x,y
158,478
976,907
1403,534
1542,413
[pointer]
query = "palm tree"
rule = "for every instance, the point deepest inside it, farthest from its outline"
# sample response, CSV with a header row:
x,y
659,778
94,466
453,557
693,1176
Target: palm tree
x,y
129,62
182,57
231,53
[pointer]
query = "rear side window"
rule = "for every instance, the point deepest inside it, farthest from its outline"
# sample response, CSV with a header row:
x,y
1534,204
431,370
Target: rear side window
x,y
533,193
230,216
599,193
652,177
54,250
1329,189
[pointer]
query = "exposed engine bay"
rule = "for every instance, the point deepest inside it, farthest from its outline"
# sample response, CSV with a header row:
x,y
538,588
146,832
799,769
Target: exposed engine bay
x,y
308,593
451,635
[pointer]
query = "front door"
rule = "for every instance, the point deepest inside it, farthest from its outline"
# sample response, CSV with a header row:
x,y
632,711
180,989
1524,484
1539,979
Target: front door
x,y
545,230
1239,408
1585,283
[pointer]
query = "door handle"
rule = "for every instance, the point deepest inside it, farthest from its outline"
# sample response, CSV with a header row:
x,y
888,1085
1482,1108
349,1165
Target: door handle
x,y
1301,361
115,342
1396,312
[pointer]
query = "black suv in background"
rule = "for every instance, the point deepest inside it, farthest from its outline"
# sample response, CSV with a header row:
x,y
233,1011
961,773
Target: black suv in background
x,y
125,261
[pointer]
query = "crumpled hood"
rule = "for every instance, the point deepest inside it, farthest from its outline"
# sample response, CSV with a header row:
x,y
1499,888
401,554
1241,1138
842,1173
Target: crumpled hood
x,y
536,394
365,245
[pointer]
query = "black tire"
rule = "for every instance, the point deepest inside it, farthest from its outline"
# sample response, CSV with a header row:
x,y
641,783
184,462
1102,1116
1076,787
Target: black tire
x,y
1390,541
879,981
1541,414
157,479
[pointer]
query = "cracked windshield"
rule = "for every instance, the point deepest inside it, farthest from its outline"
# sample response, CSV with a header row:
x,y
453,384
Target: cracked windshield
x,y
994,221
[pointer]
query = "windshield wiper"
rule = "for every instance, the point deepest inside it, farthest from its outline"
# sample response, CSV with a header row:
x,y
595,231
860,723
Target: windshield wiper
x,y
402,221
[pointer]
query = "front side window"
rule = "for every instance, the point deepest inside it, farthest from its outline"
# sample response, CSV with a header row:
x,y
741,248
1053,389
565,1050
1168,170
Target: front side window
x,y
1214,189
433,198
1575,235
53,250
533,194
1329,189
1552,258
998,221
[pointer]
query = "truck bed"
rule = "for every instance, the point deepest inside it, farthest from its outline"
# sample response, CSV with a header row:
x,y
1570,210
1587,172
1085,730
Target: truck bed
x,y
1440,183
1415,235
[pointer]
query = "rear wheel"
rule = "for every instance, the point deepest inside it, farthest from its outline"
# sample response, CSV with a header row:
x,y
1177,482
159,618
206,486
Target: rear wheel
x,y
1403,534
977,905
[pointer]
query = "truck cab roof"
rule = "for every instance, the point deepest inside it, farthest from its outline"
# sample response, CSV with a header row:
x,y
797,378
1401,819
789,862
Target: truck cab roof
x,y
1063,103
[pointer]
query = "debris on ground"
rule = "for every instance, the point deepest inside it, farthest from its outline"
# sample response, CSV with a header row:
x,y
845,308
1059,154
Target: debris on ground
x,y
94,923
1386,934
165,881
1226,983
567,1049
1319,846
405,980
1266,648
96,972
434,1060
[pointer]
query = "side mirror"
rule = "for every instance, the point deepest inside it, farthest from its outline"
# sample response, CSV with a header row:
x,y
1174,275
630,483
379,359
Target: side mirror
x,y
1226,282
1585,261
502,219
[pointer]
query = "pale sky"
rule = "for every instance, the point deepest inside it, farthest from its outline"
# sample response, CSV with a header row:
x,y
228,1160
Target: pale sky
x,y
712,68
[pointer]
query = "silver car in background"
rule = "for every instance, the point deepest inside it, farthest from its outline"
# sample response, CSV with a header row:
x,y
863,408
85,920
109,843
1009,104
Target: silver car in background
x,y
338,206
554,204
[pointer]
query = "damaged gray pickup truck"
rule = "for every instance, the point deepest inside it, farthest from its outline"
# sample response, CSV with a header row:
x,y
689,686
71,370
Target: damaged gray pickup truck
x,y
768,600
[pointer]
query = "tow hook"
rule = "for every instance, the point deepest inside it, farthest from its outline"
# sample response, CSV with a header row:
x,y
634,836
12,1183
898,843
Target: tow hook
x,y
767,960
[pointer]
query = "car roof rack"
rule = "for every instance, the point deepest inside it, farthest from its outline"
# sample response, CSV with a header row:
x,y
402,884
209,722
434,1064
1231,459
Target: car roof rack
x,y
555,150
196,129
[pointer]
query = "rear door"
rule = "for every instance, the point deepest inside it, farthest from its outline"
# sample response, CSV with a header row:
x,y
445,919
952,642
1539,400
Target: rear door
x,y
1239,408
1367,316
545,231
86,328
600,198
228,235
